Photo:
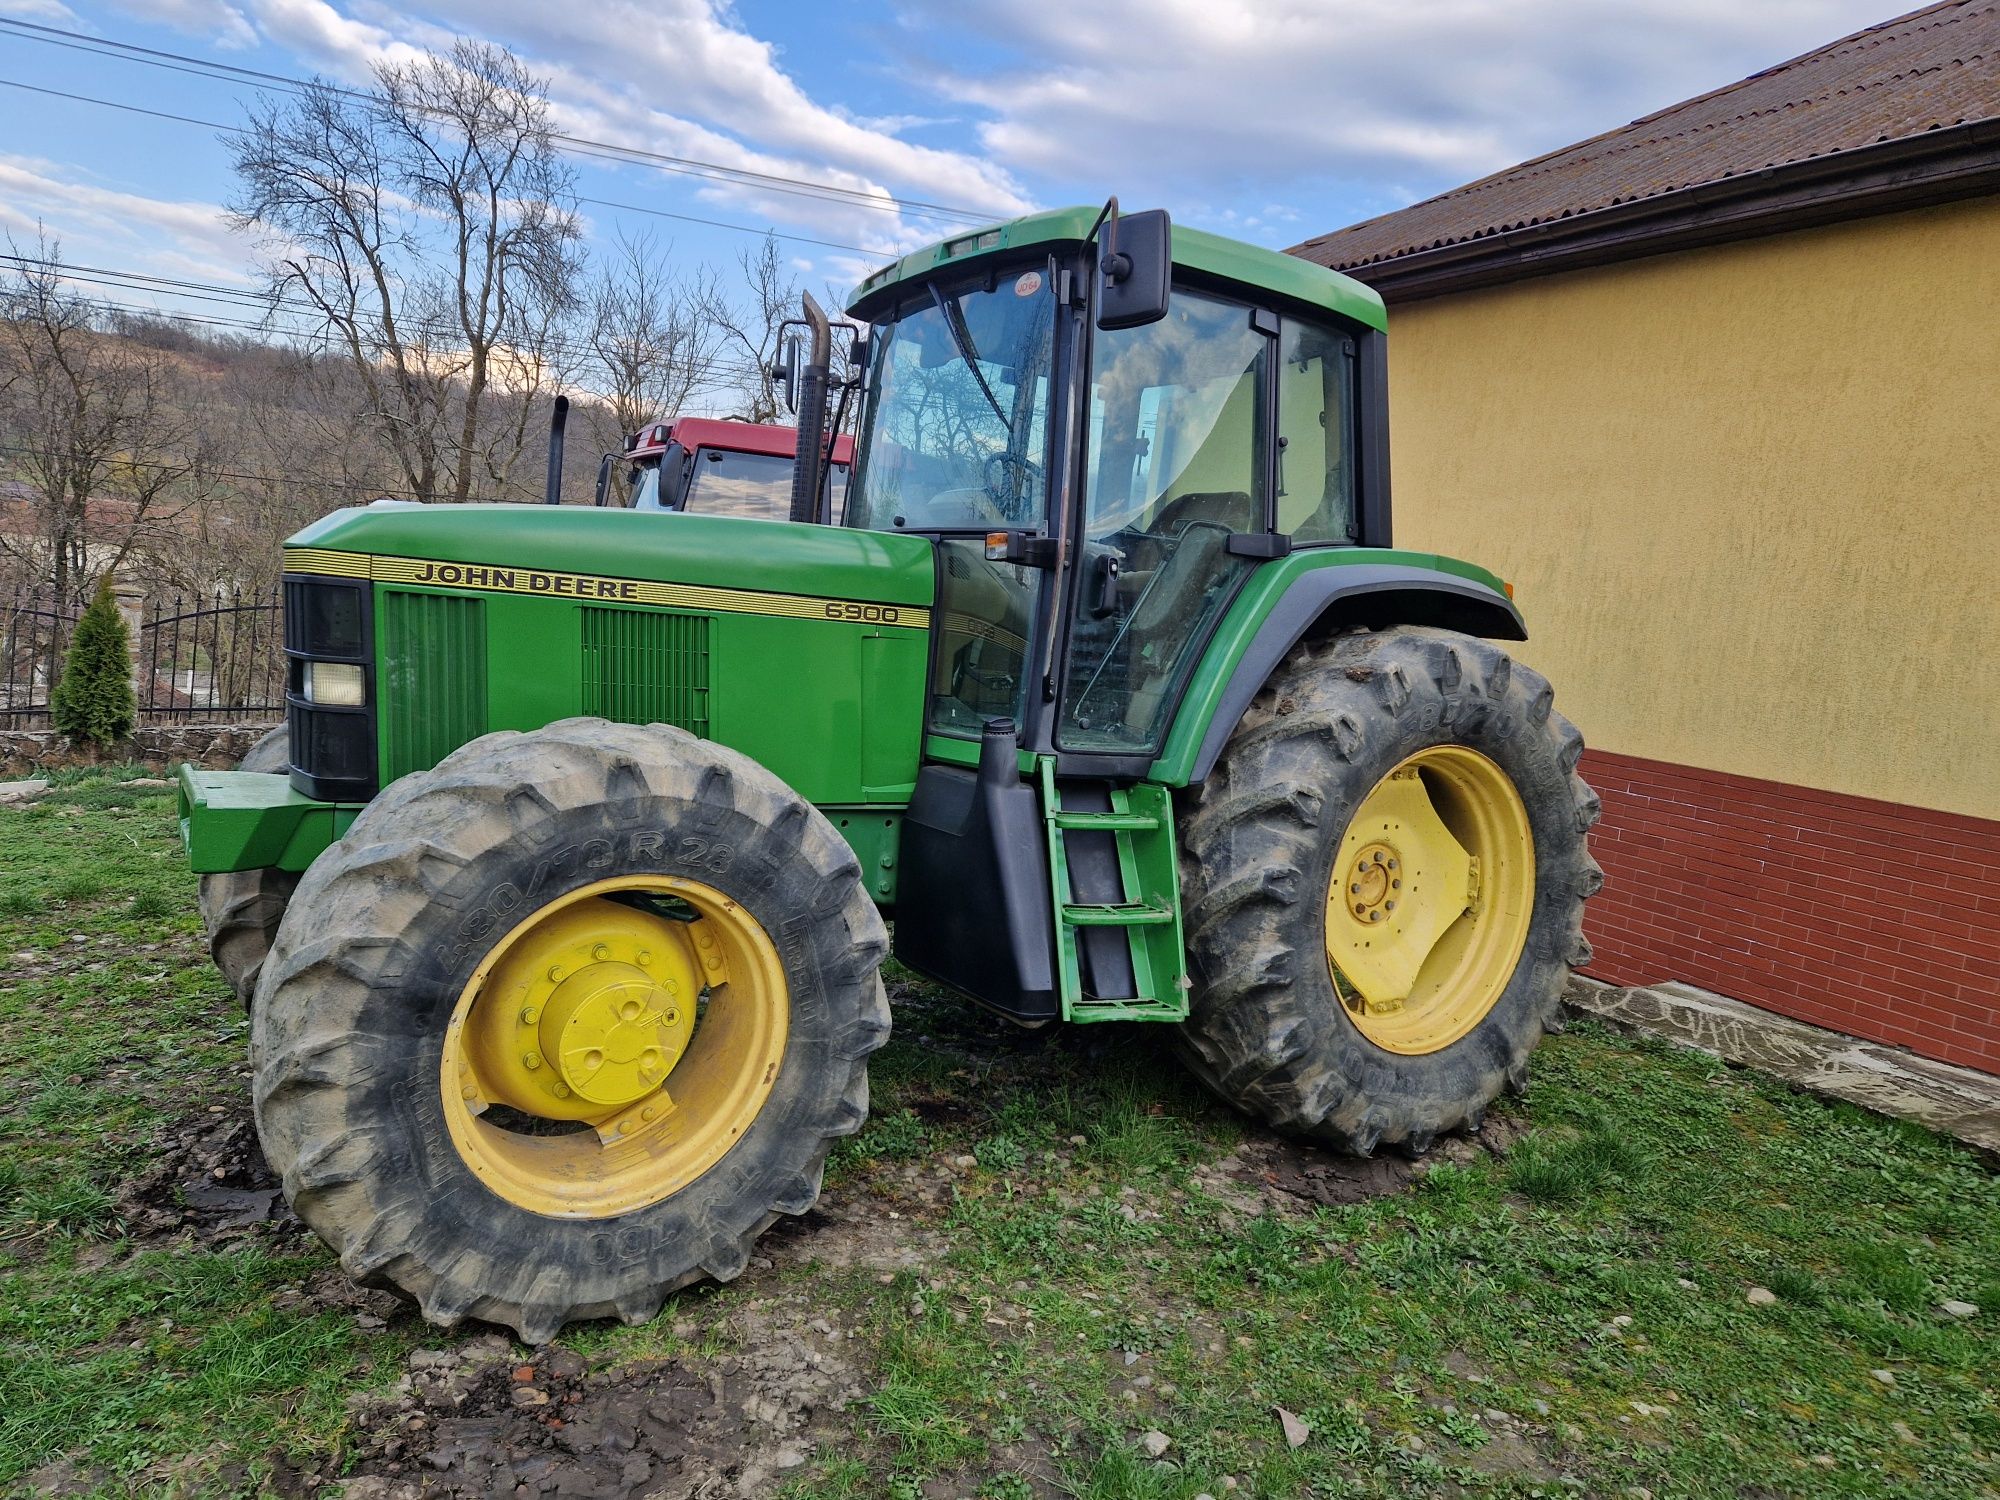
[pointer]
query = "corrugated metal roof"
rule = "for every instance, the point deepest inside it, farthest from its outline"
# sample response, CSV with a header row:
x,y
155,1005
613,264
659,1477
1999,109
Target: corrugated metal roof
x,y
1934,68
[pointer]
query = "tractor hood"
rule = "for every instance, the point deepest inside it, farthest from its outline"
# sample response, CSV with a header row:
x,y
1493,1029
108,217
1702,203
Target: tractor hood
x,y
556,545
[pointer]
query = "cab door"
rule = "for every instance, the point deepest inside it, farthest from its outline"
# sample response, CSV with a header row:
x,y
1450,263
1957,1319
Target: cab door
x,y
1175,465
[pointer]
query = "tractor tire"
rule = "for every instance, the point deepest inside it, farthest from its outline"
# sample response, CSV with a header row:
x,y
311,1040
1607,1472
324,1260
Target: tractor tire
x,y
241,909
1346,723
423,936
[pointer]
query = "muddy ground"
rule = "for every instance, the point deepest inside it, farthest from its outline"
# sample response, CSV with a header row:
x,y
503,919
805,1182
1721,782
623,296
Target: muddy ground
x,y
769,1374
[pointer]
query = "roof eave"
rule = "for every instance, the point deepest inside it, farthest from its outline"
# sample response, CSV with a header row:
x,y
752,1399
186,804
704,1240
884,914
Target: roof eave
x,y
1938,166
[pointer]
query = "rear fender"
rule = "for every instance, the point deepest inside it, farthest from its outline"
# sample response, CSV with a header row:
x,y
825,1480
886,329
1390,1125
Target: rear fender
x,y
1368,594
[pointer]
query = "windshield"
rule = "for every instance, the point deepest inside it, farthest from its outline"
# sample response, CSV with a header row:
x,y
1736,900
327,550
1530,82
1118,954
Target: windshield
x,y
953,433
758,485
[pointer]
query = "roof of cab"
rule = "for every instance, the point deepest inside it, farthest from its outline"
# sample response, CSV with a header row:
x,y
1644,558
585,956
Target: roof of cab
x,y
1285,275
738,437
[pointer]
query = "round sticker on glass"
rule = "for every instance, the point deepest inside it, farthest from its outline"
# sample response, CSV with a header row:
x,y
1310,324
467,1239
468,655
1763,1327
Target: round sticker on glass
x,y
1029,283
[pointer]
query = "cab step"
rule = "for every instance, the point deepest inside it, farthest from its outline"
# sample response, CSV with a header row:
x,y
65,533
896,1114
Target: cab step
x,y
1141,824
1127,914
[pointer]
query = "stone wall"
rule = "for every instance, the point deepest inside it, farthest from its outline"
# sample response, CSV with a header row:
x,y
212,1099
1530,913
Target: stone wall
x,y
23,752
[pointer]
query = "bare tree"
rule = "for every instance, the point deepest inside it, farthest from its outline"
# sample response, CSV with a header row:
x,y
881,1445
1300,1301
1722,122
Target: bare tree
x,y
96,425
750,324
431,226
653,346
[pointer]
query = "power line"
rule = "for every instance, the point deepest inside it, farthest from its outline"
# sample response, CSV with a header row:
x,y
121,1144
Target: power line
x,y
828,192
272,479
658,213
717,373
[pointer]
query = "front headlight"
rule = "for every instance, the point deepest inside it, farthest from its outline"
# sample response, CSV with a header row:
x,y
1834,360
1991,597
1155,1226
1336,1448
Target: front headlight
x,y
335,684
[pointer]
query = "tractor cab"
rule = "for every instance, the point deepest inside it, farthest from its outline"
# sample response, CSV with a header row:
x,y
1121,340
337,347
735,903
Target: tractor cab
x,y
1097,493
1107,428
720,467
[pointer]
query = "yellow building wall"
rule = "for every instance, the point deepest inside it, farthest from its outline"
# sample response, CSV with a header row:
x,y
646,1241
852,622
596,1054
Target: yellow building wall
x,y
1749,496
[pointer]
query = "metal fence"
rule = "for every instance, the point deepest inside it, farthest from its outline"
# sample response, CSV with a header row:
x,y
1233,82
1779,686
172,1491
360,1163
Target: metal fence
x,y
209,658
219,658
33,637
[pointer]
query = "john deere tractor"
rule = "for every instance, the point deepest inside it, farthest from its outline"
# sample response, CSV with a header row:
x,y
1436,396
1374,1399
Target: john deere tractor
x,y
561,903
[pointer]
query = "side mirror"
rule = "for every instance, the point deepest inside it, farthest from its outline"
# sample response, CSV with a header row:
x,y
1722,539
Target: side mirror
x,y
785,370
1135,269
604,467
673,477
858,354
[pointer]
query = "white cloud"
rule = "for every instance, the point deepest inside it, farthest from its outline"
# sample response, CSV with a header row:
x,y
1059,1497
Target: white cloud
x,y
681,78
1205,104
213,20
335,44
104,226
49,12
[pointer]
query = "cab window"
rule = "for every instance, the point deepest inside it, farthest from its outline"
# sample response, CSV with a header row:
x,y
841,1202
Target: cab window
x,y
757,485
1315,433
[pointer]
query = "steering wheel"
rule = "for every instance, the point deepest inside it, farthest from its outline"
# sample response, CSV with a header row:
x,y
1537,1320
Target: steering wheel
x,y
1008,498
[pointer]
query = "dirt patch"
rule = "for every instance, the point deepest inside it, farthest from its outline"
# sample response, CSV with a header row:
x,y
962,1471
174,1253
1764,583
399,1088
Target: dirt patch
x,y
477,1422
64,1478
848,1229
1281,1172
1510,1453
209,1179
1320,1176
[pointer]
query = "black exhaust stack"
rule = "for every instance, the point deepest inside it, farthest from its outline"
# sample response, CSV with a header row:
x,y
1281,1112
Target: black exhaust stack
x,y
809,462
558,420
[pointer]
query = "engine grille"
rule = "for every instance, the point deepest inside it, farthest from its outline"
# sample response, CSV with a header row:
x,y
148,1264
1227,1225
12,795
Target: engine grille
x,y
642,668
431,674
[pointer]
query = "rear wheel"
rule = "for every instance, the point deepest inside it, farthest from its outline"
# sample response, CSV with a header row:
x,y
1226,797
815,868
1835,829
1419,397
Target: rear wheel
x,y
566,1022
241,909
1384,887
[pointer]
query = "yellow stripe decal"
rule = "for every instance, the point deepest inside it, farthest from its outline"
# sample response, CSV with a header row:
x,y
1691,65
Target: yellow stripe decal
x,y
598,588
318,560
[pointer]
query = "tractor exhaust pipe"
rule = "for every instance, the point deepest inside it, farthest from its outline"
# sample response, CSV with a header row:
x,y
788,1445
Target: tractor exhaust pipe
x,y
558,420
809,461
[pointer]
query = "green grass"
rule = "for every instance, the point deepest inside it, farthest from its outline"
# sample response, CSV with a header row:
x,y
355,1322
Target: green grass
x,y
1591,1285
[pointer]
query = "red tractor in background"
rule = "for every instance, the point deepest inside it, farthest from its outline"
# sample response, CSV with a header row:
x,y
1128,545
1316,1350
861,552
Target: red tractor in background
x,y
718,467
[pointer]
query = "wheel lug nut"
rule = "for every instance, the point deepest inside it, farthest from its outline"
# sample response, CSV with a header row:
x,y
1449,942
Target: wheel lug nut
x,y
556,972
600,952
529,1014
645,957
531,1061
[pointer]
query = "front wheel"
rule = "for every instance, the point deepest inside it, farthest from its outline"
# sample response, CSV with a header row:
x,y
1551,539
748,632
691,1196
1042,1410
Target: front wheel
x,y
564,1023
241,909
1384,884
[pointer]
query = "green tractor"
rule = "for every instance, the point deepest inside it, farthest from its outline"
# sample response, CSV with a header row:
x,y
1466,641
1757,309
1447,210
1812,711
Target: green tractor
x,y
559,906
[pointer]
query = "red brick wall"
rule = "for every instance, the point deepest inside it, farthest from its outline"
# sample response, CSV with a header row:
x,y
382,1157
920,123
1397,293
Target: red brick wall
x,y
1868,917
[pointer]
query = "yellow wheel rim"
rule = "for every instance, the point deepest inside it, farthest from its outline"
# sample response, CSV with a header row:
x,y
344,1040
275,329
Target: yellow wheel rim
x,y
1428,906
607,1052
